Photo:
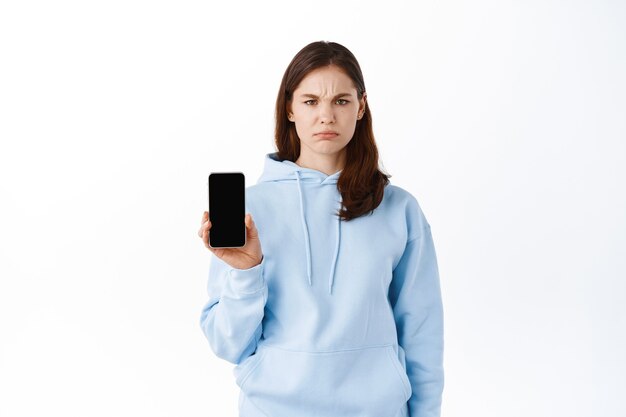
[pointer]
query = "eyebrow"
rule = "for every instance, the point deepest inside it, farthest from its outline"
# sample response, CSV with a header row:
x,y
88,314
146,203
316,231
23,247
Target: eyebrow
x,y
314,96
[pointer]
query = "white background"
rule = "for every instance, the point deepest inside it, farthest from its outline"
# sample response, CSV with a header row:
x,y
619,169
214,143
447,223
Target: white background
x,y
505,119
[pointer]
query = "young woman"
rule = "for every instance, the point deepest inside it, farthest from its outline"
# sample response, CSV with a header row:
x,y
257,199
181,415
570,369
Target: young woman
x,y
333,307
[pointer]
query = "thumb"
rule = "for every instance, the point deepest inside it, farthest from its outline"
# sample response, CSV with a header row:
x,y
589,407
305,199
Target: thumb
x,y
252,231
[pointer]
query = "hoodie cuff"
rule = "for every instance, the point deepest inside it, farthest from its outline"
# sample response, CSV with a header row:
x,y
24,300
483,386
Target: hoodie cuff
x,y
245,281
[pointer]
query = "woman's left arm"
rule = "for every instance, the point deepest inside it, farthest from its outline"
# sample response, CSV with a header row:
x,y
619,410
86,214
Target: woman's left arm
x,y
415,297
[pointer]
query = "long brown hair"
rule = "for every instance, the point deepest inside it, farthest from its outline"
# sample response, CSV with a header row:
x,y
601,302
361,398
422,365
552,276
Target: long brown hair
x,y
361,183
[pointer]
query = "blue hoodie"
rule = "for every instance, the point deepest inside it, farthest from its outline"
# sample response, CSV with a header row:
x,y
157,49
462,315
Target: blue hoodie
x,y
340,318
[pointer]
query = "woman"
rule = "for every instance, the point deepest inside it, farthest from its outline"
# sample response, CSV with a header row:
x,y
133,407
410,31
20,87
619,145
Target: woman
x,y
338,312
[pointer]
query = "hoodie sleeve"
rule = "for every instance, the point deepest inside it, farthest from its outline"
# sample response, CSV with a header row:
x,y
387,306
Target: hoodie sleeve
x,y
232,318
415,297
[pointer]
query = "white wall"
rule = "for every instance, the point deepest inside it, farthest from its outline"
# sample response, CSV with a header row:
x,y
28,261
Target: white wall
x,y
505,119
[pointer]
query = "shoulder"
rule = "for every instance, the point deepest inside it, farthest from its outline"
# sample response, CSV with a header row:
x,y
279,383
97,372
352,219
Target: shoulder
x,y
407,204
257,190
261,195
399,196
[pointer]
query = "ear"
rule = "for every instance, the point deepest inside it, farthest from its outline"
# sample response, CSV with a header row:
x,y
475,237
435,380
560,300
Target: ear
x,y
289,112
362,102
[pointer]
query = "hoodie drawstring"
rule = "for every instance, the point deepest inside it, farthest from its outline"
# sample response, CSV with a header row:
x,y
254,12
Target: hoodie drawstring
x,y
306,231
331,278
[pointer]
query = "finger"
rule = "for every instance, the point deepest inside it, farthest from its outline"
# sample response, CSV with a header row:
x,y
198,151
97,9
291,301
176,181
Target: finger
x,y
251,226
201,229
205,226
202,222
205,238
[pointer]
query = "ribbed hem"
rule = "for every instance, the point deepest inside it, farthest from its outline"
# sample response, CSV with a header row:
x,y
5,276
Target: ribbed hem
x,y
243,282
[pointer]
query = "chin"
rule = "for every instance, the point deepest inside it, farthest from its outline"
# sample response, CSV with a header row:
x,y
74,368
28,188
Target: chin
x,y
329,150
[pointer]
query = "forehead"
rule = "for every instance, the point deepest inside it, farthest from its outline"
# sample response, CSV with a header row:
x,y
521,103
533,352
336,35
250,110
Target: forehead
x,y
329,79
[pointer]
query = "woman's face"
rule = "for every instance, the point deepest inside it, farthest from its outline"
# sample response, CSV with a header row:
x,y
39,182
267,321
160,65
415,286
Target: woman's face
x,y
325,100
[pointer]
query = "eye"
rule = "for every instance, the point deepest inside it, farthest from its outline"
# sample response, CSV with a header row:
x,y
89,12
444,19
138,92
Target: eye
x,y
308,101
344,101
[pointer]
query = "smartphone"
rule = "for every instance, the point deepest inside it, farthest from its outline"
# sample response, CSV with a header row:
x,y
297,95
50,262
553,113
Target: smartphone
x,y
227,209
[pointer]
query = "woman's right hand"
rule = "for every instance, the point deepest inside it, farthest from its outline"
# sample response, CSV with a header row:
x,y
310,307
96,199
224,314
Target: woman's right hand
x,y
245,257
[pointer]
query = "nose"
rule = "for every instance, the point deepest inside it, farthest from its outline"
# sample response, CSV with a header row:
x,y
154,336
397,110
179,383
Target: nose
x,y
327,115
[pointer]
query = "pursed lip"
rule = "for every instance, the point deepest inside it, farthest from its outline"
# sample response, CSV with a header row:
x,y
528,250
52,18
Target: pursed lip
x,y
327,132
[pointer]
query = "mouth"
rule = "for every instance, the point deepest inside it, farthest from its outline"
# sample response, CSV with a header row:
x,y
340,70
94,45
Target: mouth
x,y
327,134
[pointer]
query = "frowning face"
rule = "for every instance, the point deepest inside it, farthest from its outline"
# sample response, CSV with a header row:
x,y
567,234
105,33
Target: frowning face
x,y
325,108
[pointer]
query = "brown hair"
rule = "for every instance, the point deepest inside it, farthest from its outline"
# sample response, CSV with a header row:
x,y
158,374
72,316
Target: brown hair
x,y
361,183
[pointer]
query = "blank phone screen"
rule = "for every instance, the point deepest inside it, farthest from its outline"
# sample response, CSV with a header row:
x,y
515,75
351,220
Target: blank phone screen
x,y
227,209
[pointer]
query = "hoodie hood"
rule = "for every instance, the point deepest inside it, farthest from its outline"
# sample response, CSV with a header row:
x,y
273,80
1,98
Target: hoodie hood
x,y
276,170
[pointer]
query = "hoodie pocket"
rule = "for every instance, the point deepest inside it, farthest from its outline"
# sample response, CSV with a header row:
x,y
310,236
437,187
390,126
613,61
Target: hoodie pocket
x,y
369,382
245,367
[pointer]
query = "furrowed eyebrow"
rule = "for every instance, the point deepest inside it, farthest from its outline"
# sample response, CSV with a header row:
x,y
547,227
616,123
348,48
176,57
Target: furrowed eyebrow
x,y
336,97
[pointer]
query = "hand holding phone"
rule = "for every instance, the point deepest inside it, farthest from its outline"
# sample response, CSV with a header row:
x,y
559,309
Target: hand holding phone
x,y
236,242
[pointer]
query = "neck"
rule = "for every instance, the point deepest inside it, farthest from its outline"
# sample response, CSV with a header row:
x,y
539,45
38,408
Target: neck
x,y
328,164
